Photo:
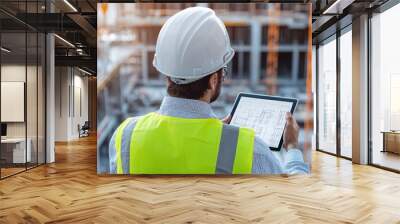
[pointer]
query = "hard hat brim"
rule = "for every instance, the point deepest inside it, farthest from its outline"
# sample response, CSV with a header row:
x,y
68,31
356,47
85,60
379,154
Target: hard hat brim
x,y
188,79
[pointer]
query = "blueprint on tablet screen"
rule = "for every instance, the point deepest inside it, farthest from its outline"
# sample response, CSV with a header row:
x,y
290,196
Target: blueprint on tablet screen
x,y
266,117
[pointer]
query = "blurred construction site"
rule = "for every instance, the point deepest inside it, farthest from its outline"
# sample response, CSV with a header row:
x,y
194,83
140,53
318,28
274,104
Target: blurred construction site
x,y
272,56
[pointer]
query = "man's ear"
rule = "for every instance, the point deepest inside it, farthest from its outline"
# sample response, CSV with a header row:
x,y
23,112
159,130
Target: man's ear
x,y
213,81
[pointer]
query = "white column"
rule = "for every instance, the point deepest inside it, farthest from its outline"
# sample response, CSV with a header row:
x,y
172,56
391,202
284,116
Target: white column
x,y
314,95
255,52
50,99
145,69
295,62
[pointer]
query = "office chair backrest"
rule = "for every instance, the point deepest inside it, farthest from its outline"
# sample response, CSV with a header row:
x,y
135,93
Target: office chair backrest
x,y
86,125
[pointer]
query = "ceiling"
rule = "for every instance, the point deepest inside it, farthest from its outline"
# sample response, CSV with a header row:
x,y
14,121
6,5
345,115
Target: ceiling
x,y
330,15
74,22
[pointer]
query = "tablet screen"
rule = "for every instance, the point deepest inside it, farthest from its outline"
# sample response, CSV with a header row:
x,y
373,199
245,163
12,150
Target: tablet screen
x,y
266,116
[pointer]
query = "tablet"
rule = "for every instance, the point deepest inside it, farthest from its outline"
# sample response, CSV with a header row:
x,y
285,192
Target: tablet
x,y
265,114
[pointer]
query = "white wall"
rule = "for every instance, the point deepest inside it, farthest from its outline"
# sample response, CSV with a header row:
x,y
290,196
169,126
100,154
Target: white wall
x,y
11,73
33,126
71,93
61,103
17,73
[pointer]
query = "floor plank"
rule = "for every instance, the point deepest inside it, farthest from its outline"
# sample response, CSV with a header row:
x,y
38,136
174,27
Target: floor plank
x,y
69,191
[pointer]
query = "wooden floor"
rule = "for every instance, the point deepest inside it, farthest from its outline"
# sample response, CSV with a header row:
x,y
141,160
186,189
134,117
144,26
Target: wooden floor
x,y
10,171
5,172
387,159
70,191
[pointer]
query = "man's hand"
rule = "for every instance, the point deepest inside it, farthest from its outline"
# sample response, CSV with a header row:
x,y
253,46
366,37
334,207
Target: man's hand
x,y
227,119
291,133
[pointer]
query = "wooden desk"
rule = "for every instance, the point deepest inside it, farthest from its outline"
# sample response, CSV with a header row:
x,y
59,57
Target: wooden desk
x,y
391,141
13,150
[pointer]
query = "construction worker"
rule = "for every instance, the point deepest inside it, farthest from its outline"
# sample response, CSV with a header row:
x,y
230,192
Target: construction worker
x,y
184,136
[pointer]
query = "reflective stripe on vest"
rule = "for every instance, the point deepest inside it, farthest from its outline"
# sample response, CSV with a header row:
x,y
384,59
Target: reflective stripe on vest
x,y
118,144
162,144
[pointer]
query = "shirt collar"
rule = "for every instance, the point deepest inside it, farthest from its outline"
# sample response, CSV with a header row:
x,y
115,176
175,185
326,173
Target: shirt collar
x,y
185,108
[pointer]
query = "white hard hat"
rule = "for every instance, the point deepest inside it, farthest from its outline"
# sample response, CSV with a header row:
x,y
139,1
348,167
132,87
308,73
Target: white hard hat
x,y
192,44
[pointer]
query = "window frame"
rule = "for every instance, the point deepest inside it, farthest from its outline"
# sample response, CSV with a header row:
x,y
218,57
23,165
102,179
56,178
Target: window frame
x,y
381,9
333,37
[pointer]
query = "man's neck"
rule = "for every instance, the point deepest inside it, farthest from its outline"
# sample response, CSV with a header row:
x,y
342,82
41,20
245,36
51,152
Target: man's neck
x,y
186,108
206,98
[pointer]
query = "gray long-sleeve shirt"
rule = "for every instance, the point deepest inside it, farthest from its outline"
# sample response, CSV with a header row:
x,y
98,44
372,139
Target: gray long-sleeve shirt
x,y
264,160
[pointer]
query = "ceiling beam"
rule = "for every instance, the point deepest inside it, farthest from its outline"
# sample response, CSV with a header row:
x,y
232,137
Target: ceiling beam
x,y
78,61
84,24
337,7
320,22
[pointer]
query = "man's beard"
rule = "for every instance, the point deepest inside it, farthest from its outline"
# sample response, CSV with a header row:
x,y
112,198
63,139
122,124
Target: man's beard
x,y
217,91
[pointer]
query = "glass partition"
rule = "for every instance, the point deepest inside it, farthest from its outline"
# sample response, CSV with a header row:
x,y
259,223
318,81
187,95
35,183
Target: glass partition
x,y
13,110
327,96
22,88
385,89
346,93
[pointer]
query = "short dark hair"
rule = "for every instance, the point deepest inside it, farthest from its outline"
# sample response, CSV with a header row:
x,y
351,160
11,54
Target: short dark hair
x,y
194,90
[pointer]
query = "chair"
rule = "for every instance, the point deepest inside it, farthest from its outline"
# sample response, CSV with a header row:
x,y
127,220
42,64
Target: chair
x,y
84,130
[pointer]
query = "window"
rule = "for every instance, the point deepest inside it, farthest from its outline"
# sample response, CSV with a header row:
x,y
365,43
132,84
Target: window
x,y
346,94
239,35
302,72
285,65
263,65
240,65
385,89
327,96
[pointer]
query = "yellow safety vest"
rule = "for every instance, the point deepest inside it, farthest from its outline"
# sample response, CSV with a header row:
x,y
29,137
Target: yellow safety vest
x,y
162,144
